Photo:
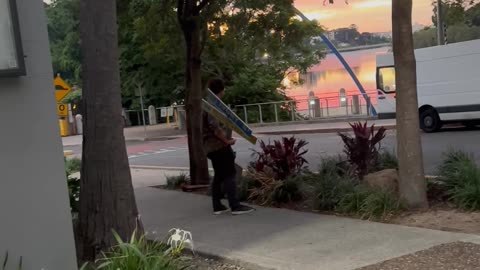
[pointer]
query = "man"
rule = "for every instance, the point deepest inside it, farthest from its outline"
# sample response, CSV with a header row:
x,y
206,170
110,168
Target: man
x,y
219,150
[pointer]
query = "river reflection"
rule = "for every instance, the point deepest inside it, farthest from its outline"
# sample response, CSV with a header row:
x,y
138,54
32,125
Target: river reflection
x,y
328,77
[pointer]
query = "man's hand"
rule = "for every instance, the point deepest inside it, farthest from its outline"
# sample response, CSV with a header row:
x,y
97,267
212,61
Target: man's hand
x,y
230,142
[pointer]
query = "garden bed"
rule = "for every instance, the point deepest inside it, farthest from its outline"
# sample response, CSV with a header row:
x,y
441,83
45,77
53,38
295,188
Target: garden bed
x,y
363,183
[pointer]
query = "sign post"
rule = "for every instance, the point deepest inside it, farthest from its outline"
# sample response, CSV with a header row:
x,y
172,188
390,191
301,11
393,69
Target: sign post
x,y
61,88
140,93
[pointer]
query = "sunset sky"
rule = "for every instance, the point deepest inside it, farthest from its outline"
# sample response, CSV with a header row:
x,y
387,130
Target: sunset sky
x,y
368,15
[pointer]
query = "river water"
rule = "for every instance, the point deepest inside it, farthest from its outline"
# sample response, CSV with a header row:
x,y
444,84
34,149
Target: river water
x,y
327,78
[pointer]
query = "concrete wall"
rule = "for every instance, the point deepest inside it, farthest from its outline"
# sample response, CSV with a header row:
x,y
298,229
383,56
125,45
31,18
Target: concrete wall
x,y
35,221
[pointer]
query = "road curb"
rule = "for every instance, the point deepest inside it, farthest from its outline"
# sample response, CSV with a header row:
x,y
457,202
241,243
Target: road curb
x,y
316,131
161,168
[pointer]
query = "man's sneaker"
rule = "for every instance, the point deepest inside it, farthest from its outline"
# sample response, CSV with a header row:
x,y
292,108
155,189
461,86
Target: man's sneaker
x,y
220,210
242,209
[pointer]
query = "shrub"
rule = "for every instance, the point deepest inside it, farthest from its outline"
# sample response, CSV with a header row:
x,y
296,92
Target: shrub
x,y
337,165
379,205
362,149
269,191
369,203
177,181
329,188
73,165
284,158
137,254
387,160
461,176
244,186
352,202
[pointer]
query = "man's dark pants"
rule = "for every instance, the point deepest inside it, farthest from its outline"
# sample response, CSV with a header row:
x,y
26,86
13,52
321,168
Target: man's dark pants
x,y
223,162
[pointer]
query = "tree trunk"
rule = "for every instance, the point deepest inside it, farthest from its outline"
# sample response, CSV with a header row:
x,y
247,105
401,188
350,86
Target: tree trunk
x,y
411,173
191,27
107,200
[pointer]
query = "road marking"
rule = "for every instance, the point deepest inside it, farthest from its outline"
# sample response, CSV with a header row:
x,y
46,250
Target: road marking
x,y
156,152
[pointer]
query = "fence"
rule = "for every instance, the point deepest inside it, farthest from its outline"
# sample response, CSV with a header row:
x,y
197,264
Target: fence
x,y
304,109
300,109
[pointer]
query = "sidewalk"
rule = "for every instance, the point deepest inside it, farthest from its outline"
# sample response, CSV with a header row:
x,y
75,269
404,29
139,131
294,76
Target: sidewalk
x,y
278,238
156,132
341,125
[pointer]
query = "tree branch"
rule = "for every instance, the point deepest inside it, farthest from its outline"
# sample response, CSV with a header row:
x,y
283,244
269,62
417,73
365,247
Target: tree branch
x,y
202,5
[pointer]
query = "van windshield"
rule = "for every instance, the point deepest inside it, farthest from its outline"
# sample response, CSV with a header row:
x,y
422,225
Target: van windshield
x,y
386,79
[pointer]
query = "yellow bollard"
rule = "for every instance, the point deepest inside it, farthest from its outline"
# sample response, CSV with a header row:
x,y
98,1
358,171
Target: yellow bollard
x,y
63,127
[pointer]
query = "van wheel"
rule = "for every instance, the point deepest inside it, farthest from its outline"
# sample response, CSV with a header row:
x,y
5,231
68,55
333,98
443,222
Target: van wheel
x,y
430,121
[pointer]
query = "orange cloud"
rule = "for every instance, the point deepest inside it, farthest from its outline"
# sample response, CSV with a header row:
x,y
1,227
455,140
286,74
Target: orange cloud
x,y
368,15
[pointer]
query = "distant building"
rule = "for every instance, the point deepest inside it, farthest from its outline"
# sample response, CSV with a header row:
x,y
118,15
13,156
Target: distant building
x,y
330,35
383,35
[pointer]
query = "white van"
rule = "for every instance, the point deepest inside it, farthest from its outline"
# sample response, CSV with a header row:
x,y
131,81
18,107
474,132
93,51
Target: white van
x,y
448,80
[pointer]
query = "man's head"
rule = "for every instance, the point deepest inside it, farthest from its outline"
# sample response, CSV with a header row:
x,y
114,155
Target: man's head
x,y
217,87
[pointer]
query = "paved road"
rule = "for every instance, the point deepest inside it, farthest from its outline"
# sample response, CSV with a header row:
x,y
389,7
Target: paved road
x,y
174,153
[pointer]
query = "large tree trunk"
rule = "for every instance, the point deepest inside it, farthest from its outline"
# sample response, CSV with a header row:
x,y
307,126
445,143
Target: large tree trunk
x,y
107,200
411,173
191,27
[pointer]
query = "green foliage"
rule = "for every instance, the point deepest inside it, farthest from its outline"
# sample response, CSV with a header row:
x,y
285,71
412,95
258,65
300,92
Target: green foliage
x,y
176,182
379,205
463,21
461,176
369,203
137,254
244,185
329,188
63,31
73,97
387,160
72,166
152,48
267,190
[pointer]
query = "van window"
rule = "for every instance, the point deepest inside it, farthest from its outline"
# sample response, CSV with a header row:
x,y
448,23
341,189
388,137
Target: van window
x,y
386,79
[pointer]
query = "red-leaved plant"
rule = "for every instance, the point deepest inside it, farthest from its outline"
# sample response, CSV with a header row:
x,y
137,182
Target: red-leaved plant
x,y
362,149
284,158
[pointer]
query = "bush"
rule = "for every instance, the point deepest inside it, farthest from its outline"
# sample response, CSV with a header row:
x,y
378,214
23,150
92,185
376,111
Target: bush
x,y
387,160
337,165
362,148
137,254
369,203
73,165
461,176
329,188
244,186
176,182
284,158
269,191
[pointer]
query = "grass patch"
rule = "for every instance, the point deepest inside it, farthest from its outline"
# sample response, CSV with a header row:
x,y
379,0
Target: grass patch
x,y
177,181
461,177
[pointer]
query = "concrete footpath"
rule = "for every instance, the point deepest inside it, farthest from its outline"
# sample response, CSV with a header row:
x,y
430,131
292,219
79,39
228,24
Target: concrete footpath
x,y
278,238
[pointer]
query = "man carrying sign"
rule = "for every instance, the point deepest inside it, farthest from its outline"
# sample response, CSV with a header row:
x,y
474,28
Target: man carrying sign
x,y
219,150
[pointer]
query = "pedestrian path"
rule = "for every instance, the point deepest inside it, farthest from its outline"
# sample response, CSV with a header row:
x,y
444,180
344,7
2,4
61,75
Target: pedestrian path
x,y
284,239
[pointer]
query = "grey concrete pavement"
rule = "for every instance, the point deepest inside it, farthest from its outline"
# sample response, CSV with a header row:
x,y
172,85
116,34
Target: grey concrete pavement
x,y
284,239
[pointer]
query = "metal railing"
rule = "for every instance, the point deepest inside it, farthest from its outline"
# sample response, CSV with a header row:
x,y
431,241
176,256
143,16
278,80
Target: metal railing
x,y
299,109
304,109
